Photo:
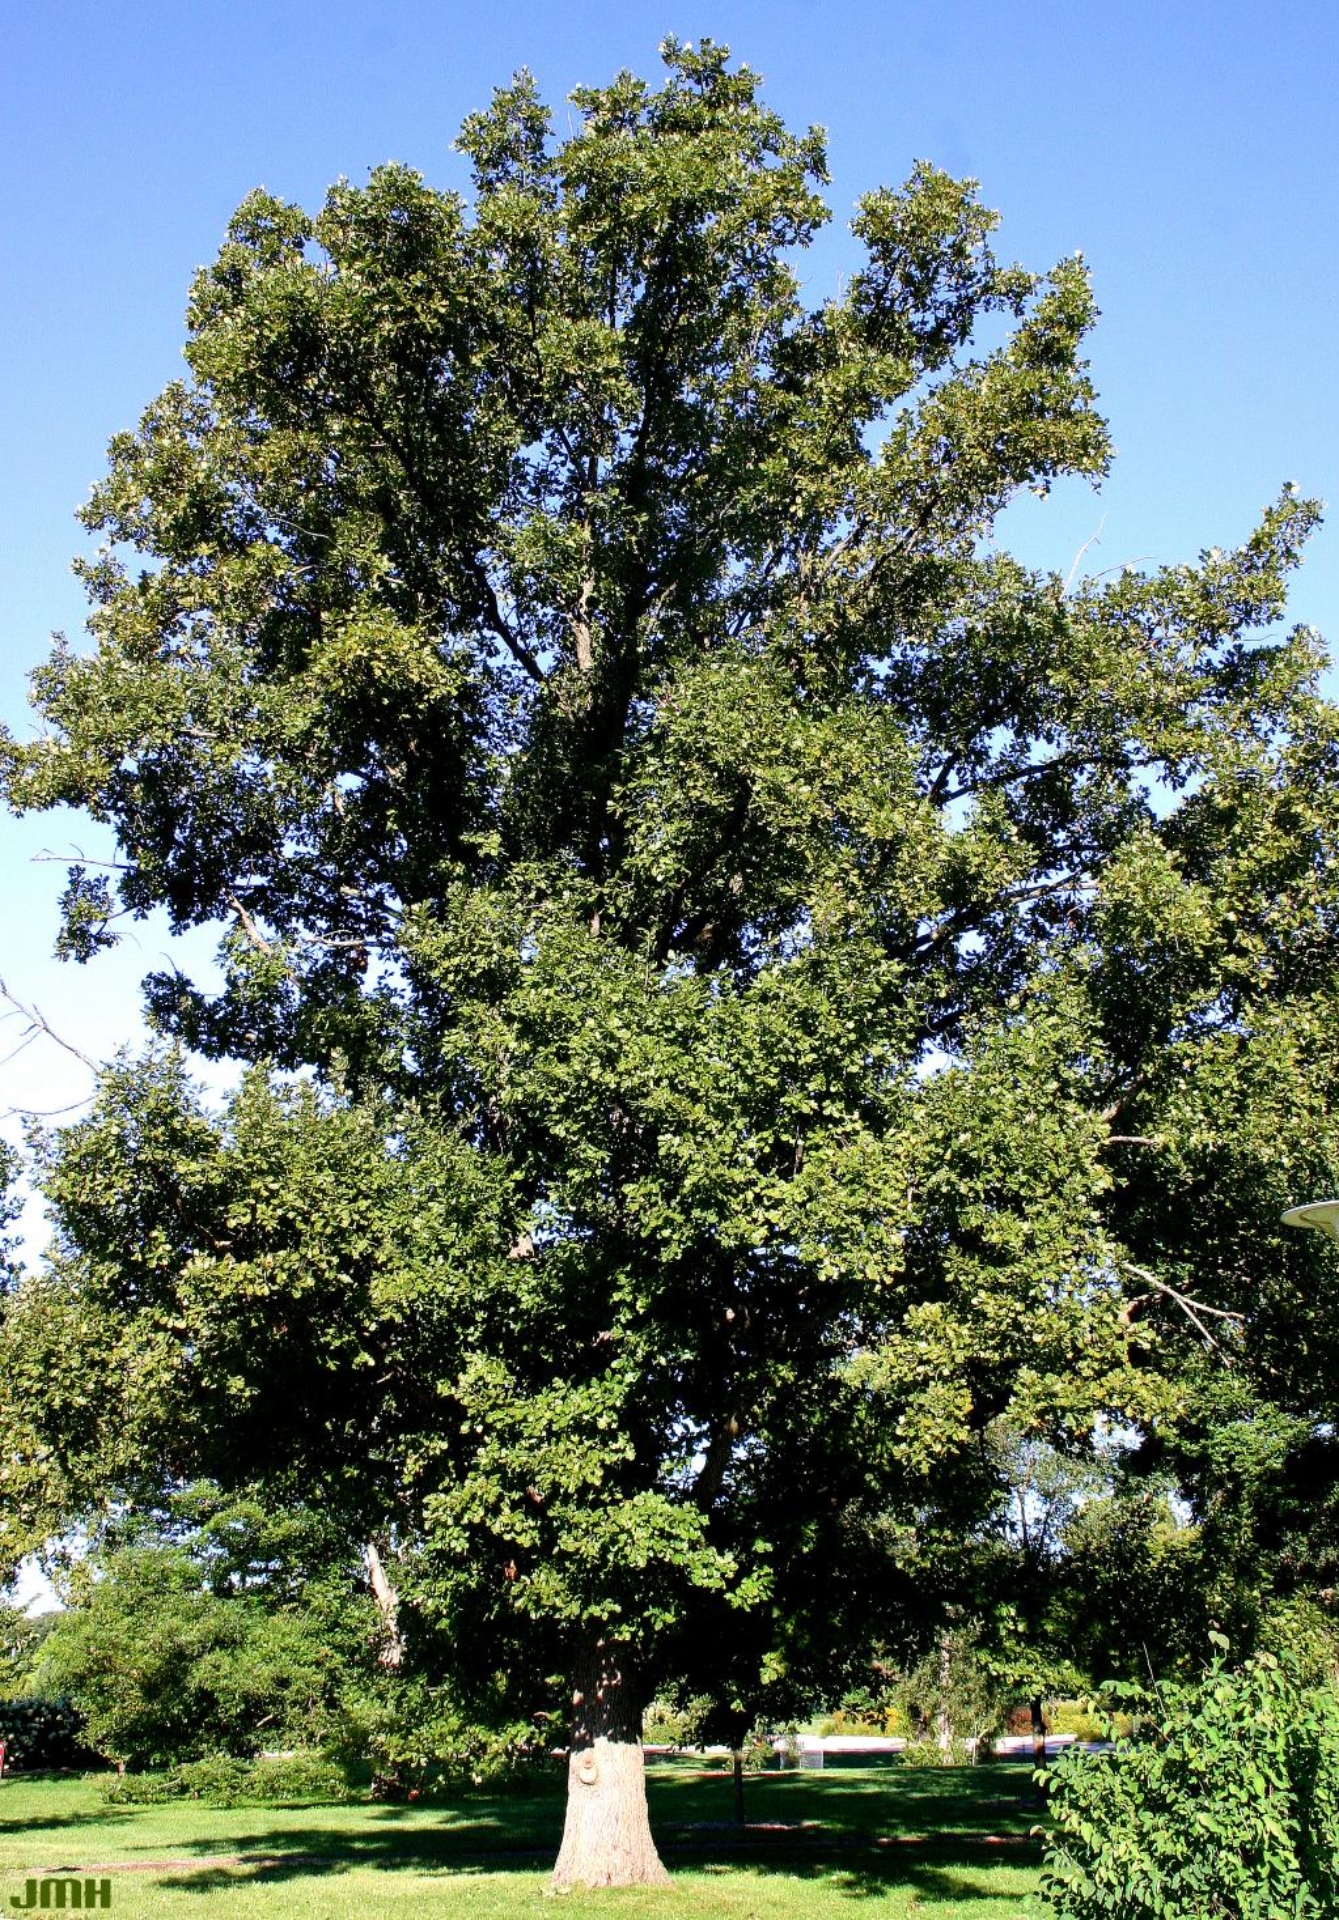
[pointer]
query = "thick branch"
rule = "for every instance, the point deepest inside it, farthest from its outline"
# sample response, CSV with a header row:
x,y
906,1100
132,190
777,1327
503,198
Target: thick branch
x,y
1062,763
715,1461
497,623
489,606
249,927
969,919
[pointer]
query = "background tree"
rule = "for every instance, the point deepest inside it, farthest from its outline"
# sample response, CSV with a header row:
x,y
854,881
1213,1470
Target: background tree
x,y
10,1208
219,1629
775,984
21,1634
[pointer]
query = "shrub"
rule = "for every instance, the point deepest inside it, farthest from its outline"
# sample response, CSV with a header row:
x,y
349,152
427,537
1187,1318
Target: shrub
x,y
218,1778
676,1720
138,1789
873,1721
42,1733
1079,1718
223,1781
419,1738
1223,1805
166,1670
953,1704
925,1753
295,1776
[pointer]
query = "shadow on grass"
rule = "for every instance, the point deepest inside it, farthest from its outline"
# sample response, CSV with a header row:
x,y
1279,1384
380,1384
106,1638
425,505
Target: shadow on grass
x,y
940,1834
56,1822
862,1865
872,1878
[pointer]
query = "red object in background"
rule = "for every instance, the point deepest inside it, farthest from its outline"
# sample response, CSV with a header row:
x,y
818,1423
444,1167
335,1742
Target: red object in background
x,y
2,1759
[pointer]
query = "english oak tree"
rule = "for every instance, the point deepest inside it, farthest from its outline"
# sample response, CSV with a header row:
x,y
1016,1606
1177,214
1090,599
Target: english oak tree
x,y
712,935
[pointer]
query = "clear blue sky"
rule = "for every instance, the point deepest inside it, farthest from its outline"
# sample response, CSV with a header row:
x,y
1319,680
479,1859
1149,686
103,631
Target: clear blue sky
x,y
1188,149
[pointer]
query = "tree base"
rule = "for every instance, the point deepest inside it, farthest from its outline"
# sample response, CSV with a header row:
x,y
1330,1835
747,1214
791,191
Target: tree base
x,y
607,1837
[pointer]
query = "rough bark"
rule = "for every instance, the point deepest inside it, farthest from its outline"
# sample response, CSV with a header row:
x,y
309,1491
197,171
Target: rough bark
x,y
607,1837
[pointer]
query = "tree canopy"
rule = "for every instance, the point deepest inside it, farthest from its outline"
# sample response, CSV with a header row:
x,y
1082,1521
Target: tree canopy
x,y
745,984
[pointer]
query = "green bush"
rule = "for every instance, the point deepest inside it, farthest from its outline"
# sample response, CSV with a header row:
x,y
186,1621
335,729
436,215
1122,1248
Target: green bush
x,y
218,1778
869,1722
295,1776
952,1705
1079,1718
925,1753
419,1739
223,1781
172,1658
138,1789
676,1719
1223,1805
42,1733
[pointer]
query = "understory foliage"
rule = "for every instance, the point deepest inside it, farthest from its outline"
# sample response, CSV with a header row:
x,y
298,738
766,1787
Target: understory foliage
x,y
42,1733
210,1635
951,1703
742,985
222,1780
1223,1804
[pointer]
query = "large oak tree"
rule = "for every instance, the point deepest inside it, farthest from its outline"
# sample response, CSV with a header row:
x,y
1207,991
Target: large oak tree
x,y
746,984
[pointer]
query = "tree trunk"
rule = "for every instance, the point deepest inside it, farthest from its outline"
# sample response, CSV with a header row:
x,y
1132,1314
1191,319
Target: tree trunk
x,y
739,1788
607,1839
1038,1732
1038,1737
944,1717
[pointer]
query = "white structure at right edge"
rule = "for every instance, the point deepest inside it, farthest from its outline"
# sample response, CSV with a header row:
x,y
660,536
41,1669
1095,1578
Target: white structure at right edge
x,y
1322,1215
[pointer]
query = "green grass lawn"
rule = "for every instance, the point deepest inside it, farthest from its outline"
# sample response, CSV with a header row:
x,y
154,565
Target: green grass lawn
x,y
947,1845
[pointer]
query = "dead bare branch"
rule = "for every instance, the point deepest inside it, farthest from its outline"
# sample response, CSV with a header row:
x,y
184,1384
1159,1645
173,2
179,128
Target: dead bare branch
x,y
1191,1308
44,1113
1093,540
49,854
39,1024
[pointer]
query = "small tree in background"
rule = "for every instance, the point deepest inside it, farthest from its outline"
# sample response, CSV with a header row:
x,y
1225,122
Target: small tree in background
x,y
209,1635
953,1702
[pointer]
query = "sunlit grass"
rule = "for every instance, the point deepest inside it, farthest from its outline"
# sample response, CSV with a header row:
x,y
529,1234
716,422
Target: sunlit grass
x,y
941,1845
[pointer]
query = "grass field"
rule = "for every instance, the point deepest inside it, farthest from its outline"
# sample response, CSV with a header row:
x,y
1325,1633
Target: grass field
x,y
948,1845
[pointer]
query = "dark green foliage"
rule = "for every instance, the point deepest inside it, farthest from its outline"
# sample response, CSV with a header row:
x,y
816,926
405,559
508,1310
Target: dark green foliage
x,y
288,1779
676,1718
11,1166
426,1729
41,1733
21,1634
217,1639
1224,1802
952,1703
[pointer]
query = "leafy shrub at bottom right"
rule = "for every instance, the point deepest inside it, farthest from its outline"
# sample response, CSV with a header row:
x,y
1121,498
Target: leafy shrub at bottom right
x,y
1223,1804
